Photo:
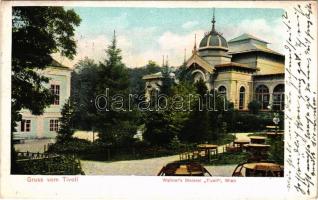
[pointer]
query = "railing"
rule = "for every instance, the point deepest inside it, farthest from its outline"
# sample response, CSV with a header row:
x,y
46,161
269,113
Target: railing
x,y
47,164
32,156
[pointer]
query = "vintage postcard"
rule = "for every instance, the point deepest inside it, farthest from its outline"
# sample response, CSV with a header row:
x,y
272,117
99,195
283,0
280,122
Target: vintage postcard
x,y
163,100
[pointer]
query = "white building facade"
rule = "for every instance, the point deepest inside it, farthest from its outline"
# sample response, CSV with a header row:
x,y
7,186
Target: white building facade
x,y
47,124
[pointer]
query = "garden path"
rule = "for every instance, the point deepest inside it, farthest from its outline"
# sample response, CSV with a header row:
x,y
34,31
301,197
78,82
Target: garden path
x,y
146,167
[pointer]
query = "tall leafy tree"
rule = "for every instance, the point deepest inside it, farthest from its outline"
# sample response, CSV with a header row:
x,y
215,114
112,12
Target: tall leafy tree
x,y
158,131
183,74
164,125
136,83
180,102
197,127
37,32
83,83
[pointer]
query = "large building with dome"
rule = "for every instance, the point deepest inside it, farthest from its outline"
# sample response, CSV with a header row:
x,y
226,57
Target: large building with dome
x,y
243,69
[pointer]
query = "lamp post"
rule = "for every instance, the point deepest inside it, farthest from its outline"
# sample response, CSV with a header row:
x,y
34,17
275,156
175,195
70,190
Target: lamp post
x,y
93,128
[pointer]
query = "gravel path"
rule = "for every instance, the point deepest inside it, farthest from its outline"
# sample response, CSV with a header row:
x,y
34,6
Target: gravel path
x,y
146,167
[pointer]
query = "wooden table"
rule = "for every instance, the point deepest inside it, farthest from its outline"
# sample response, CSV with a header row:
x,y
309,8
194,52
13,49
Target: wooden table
x,y
263,166
263,169
271,127
184,171
257,151
208,148
257,139
257,147
274,134
241,143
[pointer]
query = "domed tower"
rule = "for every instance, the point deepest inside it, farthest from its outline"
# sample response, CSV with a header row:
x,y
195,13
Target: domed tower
x,y
213,47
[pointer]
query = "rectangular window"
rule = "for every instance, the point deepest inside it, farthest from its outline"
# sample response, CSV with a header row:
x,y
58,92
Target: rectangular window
x,y
278,101
55,89
25,125
54,125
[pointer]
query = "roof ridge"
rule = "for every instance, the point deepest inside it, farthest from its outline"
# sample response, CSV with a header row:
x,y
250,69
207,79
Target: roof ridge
x,y
204,62
55,63
246,36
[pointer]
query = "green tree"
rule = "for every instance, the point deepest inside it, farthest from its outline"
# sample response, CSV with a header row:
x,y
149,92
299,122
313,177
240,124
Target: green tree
x,y
197,127
222,116
157,128
167,81
151,67
137,84
164,125
116,125
179,116
66,129
83,83
113,73
37,32
183,74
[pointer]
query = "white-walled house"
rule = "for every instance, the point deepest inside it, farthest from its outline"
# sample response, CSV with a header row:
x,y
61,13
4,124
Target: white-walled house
x,y
47,124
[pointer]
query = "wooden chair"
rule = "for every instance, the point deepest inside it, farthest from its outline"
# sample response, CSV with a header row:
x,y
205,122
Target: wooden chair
x,y
231,148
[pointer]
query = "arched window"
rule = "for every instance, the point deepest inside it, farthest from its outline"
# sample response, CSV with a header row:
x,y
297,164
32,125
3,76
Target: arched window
x,y
197,76
222,91
242,98
262,96
278,97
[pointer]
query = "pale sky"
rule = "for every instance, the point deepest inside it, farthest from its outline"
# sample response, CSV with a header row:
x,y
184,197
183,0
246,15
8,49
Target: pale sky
x,y
149,33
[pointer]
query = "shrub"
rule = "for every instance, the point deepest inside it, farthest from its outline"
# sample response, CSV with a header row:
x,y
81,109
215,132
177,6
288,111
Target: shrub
x,y
241,121
73,146
175,144
277,150
254,107
59,165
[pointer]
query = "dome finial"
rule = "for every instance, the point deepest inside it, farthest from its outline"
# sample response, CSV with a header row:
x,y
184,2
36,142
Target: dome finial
x,y
213,21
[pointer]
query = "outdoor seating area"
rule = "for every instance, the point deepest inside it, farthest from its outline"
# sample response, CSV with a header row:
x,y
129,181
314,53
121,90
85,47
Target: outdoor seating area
x,y
199,152
255,147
